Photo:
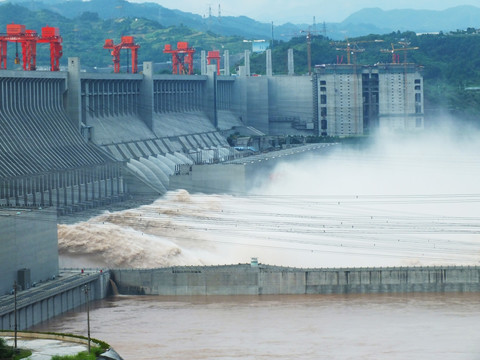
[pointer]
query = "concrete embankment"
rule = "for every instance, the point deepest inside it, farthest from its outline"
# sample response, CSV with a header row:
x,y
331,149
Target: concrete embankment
x,y
263,279
47,345
52,298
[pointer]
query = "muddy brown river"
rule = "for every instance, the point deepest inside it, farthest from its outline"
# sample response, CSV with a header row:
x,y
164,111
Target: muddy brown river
x,y
401,326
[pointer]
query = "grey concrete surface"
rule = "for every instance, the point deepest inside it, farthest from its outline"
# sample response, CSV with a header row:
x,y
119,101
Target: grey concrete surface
x,y
28,241
242,174
44,349
51,298
263,279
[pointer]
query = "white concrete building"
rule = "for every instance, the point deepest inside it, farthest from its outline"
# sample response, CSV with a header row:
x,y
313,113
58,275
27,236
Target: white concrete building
x,y
356,100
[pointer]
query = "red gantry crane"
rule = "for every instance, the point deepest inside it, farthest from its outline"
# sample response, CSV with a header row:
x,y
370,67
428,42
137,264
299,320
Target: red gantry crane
x,y
182,58
126,43
28,39
52,36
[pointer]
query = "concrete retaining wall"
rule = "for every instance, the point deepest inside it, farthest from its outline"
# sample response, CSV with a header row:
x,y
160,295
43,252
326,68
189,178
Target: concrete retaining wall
x,y
290,105
262,280
60,337
28,241
240,175
51,299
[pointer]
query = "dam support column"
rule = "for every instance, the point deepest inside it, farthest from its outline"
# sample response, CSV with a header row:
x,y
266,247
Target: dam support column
x,y
247,62
211,95
291,68
203,63
269,62
146,95
226,63
74,96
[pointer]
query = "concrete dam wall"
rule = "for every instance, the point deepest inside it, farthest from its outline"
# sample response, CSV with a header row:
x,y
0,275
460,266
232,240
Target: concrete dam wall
x,y
271,280
74,140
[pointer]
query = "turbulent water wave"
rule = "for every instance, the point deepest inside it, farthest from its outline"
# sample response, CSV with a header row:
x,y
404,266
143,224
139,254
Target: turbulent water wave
x,y
398,203
147,236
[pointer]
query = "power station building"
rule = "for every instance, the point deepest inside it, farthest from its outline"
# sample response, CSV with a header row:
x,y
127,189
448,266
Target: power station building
x,y
357,100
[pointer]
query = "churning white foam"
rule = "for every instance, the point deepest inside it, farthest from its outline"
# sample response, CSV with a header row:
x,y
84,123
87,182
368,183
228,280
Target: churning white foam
x,y
402,201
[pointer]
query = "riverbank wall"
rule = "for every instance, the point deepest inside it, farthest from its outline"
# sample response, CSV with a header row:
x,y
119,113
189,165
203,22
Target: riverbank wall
x,y
52,298
253,279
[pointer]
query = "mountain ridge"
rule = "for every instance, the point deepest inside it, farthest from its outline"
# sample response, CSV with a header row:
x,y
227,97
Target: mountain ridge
x,y
363,22
418,20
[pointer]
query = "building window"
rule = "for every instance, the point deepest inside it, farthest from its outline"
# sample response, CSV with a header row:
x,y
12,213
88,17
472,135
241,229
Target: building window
x,y
418,87
323,88
418,109
323,82
417,81
323,111
323,99
418,97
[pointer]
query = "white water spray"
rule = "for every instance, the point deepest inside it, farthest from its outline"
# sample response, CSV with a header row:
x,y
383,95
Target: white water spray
x,y
403,201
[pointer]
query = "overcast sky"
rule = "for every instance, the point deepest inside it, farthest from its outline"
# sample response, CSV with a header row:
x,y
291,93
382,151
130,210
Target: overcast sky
x,y
301,11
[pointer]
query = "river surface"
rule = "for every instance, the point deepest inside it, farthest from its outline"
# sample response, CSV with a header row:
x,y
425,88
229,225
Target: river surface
x,y
372,326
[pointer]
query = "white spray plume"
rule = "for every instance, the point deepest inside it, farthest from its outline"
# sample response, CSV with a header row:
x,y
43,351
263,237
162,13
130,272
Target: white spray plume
x,y
410,199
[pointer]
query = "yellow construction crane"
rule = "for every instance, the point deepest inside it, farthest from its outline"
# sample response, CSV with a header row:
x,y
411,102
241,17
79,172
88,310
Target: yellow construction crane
x,y
394,50
352,48
309,47
309,34
350,51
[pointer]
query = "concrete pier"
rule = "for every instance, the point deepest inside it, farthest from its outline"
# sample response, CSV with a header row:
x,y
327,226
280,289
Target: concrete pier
x,y
226,63
269,66
203,62
291,70
247,62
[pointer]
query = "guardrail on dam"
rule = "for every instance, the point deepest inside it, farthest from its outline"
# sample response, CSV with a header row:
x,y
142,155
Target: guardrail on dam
x,y
249,279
